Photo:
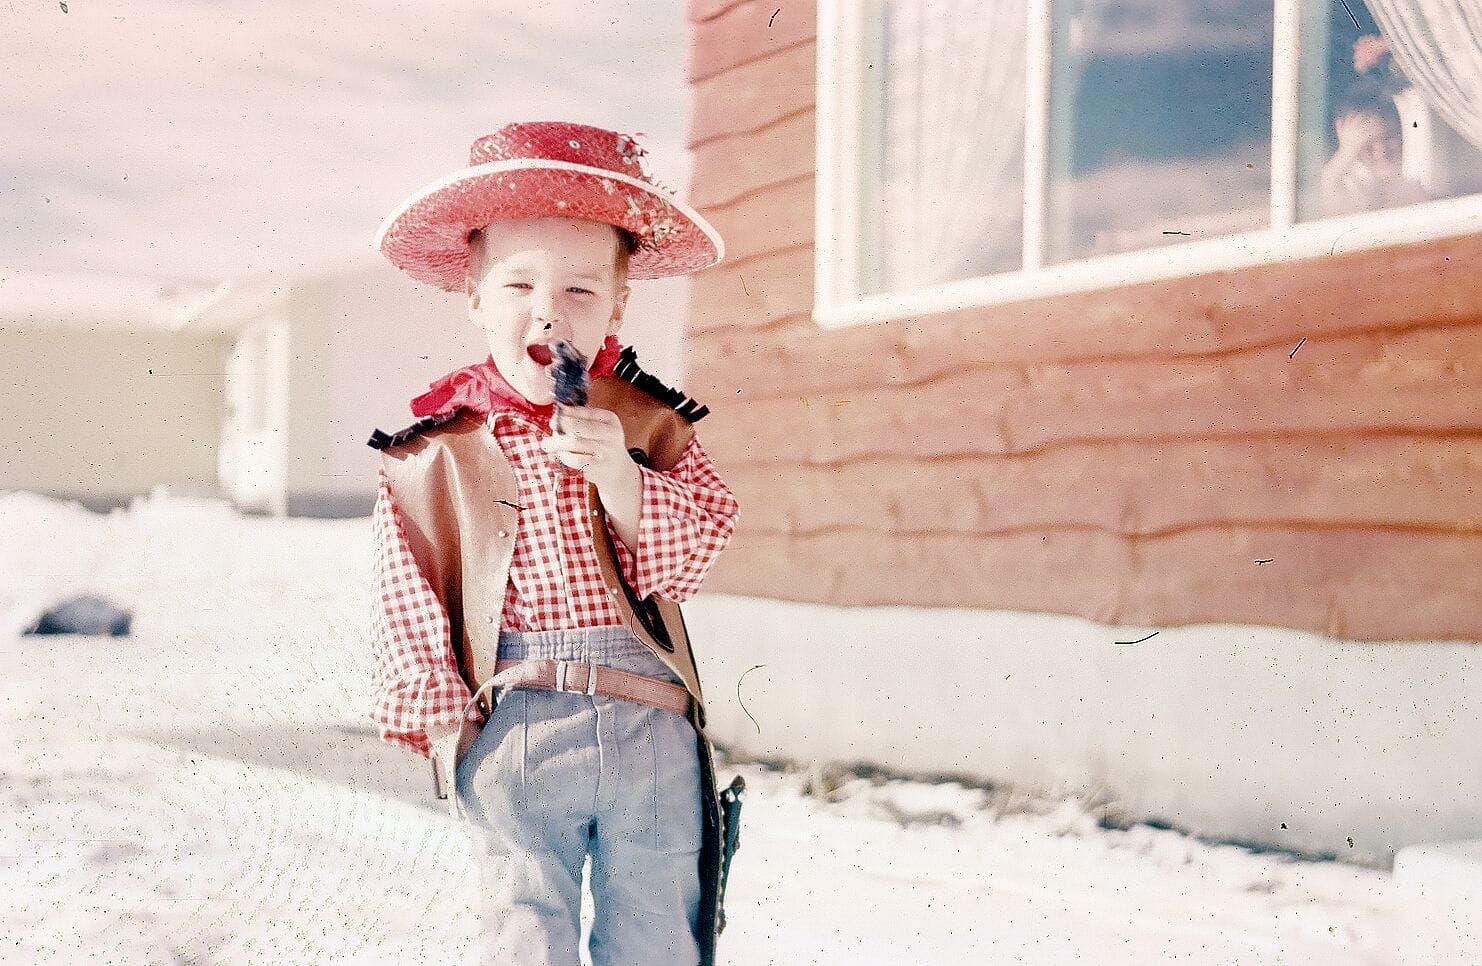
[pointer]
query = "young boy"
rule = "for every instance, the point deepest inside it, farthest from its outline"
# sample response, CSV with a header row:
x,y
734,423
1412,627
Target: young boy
x,y
530,558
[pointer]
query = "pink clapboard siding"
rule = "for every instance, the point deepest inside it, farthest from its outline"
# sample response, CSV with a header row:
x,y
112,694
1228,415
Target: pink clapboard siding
x,y
1152,455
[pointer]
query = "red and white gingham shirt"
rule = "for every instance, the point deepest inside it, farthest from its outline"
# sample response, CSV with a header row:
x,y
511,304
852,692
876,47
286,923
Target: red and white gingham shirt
x,y
555,582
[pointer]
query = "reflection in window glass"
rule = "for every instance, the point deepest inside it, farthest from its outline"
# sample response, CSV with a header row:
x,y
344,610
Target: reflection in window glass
x,y
1160,123
943,149
1391,110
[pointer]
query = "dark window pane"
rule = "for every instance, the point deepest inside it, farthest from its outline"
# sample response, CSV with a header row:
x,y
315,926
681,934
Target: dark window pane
x,y
1160,123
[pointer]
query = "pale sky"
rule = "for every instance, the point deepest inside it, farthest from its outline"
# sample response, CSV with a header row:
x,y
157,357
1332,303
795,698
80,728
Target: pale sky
x,y
210,140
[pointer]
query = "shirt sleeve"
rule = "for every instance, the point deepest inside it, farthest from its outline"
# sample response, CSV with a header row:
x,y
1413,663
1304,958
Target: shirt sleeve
x,y
687,517
414,677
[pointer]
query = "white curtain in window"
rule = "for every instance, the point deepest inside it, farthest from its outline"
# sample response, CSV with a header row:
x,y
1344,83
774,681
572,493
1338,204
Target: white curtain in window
x,y
1438,44
953,130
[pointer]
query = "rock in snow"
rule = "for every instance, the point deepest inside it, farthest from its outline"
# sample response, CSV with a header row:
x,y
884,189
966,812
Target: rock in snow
x,y
86,614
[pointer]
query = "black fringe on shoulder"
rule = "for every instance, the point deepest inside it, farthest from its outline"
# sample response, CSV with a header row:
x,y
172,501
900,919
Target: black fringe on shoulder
x,y
380,440
627,370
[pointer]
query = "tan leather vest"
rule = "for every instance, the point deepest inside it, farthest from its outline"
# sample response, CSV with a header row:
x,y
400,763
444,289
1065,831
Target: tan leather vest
x,y
459,501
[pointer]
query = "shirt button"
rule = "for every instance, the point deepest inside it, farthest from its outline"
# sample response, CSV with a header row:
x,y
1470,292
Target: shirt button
x,y
490,618
503,533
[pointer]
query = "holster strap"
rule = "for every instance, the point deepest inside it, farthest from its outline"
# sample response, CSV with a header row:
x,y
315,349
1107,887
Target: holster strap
x,y
578,677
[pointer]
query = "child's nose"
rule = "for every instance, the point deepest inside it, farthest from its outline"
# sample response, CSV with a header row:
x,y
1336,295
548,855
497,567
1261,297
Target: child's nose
x,y
546,310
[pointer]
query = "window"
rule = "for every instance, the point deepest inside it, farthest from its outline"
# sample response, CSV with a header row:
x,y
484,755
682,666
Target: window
x,y
1159,123
1371,137
973,151
941,200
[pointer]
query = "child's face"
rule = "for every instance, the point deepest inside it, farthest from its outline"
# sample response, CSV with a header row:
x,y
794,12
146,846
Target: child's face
x,y
542,280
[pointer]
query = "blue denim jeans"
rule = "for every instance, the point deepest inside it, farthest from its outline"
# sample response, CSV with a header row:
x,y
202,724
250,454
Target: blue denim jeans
x,y
554,777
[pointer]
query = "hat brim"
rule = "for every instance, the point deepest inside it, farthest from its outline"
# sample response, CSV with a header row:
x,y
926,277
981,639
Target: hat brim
x,y
427,235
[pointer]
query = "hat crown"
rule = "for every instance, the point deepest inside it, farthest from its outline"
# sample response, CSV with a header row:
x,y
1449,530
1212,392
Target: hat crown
x,y
582,144
547,169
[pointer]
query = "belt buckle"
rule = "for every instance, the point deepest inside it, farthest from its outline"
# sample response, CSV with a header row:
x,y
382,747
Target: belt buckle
x,y
561,669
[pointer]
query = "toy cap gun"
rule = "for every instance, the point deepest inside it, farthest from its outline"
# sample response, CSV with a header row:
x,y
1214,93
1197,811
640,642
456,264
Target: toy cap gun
x,y
569,374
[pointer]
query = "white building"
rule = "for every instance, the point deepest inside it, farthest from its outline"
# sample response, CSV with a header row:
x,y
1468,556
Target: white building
x,y
261,391
107,394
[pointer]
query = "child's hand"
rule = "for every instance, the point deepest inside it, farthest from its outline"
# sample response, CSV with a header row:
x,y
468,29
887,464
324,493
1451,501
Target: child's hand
x,y
591,440
1357,131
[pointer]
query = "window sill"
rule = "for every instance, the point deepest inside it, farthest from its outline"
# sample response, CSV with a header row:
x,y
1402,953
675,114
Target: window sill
x,y
1431,221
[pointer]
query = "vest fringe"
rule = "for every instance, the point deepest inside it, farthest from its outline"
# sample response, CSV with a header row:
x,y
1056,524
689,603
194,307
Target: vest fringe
x,y
627,369
380,440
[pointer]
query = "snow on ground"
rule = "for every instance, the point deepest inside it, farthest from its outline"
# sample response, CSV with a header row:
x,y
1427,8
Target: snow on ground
x,y
209,790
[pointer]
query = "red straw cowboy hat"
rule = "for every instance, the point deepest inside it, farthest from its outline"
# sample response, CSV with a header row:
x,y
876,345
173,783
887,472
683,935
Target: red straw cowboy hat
x,y
542,168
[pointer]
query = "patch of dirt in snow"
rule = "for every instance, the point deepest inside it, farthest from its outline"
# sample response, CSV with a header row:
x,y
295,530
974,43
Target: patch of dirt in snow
x,y
1039,849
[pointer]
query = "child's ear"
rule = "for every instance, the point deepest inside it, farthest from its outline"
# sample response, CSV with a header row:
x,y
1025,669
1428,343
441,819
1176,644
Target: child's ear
x,y
473,293
617,311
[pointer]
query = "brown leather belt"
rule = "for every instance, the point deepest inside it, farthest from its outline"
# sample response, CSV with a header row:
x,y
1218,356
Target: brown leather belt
x,y
578,677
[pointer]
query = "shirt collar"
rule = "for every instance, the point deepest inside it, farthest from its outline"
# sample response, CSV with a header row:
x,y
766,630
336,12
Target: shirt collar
x,y
481,388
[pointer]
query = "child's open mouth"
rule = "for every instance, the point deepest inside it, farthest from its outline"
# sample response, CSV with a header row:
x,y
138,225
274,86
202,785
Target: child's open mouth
x,y
541,354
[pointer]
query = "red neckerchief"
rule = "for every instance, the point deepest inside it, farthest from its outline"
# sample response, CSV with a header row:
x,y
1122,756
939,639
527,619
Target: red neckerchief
x,y
482,388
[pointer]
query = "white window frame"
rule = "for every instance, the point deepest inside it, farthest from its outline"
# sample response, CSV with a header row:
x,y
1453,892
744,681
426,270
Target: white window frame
x,y
837,302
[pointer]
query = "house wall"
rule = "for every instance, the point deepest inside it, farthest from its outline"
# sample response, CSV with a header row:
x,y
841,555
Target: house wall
x,y
363,341
1250,734
1274,468
1156,454
104,416
252,452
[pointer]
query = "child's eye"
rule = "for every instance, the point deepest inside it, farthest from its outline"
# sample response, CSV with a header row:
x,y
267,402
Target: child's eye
x,y
578,290
519,286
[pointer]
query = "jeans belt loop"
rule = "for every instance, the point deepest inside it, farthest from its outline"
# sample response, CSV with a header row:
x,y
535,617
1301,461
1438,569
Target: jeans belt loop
x,y
562,673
